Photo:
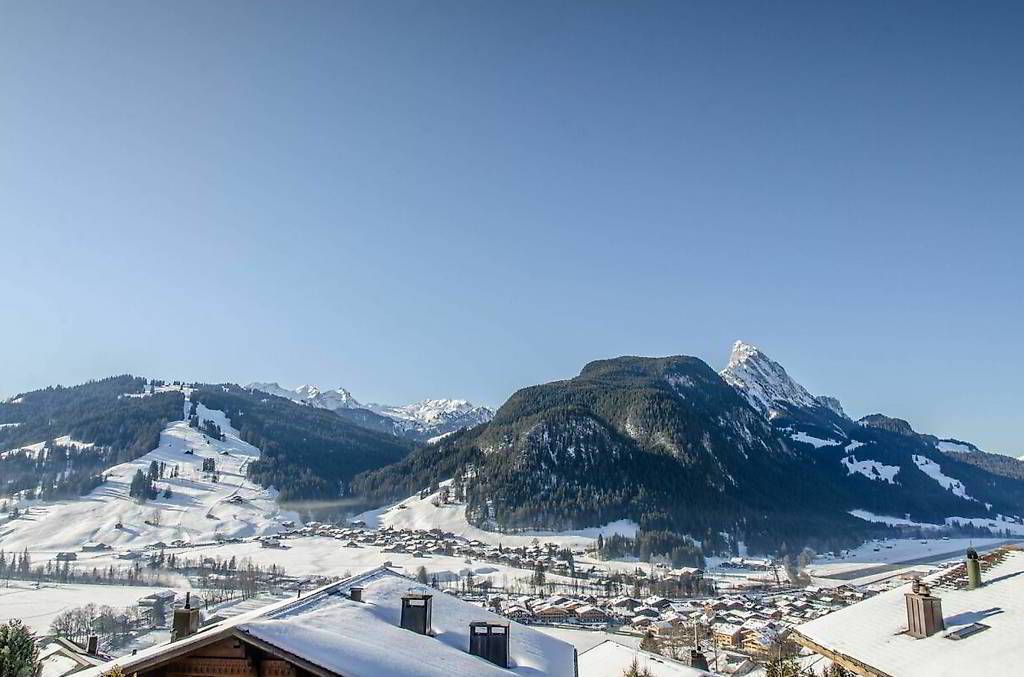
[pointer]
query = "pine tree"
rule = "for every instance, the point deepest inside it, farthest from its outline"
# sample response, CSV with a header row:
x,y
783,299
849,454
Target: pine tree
x,y
19,656
634,670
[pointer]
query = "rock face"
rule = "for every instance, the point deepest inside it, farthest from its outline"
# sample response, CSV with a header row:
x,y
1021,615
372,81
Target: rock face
x,y
766,385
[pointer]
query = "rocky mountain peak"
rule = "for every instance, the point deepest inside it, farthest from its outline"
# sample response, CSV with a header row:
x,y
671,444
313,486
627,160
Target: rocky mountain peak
x,y
764,382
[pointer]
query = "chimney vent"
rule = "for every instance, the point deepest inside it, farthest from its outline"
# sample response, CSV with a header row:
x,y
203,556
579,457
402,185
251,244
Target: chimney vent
x,y
924,612
416,613
973,569
355,594
185,621
489,641
93,646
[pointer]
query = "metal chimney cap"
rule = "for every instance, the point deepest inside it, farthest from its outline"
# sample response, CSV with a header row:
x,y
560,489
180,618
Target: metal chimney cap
x,y
972,553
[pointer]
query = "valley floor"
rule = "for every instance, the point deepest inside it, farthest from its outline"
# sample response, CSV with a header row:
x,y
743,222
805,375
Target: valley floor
x,y
38,606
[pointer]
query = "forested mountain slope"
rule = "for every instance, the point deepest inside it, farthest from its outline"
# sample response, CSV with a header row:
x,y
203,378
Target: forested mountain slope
x,y
57,441
307,452
747,455
662,441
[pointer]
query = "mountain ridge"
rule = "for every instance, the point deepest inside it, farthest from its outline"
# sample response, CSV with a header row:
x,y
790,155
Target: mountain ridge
x,y
418,420
749,447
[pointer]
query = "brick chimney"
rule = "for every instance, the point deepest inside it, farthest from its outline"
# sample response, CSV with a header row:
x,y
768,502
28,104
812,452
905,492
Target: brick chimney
x,y
92,646
924,611
355,594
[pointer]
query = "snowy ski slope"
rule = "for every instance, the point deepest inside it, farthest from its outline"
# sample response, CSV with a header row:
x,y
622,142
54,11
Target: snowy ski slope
x,y
199,509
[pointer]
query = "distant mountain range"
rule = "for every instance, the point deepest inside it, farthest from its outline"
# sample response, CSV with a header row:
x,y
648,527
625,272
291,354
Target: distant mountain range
x,y
418,421
745,454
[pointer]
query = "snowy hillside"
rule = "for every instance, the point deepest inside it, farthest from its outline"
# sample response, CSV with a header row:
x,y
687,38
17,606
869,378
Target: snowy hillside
x,y
956,446
201,508
429,513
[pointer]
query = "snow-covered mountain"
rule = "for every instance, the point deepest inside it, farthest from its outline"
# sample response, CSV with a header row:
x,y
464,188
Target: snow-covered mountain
x,y
766,385
420,420
882,459
339,398
435,414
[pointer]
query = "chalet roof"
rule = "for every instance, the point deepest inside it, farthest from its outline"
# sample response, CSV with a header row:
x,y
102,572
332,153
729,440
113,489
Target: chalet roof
x,y
872,632
59,656
333,634
611,659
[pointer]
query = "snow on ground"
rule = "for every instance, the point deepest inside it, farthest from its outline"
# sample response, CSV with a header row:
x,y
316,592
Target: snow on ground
x,y
868,516
34,449
198,510
999,523
817,442
954,445
417,513
889,551
934,470
9,425
326,556
873,470
587,639
38,606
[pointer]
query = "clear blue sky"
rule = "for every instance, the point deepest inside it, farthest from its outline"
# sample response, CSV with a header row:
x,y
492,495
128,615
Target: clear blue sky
x,y
418,199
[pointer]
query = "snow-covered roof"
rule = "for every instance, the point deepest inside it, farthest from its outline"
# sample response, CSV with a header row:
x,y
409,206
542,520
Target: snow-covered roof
x,y
611,659
364,639
872,632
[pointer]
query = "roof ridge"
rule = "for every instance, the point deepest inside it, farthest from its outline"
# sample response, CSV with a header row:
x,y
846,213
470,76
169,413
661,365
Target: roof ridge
x,y
320,593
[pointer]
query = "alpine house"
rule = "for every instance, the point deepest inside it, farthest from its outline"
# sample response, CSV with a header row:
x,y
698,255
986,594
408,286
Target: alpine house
x,y
965,619
375,624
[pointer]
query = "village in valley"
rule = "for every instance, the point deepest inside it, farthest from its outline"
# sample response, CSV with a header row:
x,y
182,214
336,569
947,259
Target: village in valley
x,y
735,616
179,544
405,338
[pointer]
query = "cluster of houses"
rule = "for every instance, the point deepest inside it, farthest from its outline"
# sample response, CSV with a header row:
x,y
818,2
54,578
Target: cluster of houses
x,y
749,624
423,543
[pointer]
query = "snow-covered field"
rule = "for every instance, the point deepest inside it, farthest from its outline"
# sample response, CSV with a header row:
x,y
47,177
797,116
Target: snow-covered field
x,y
199,509
38,606
1000,523
417,513
877,553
